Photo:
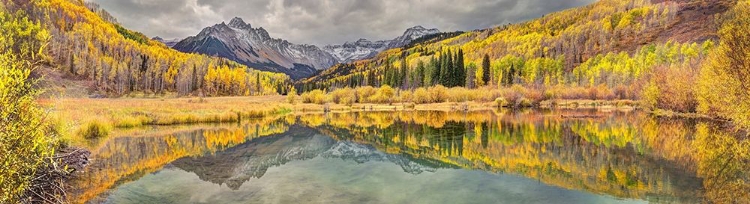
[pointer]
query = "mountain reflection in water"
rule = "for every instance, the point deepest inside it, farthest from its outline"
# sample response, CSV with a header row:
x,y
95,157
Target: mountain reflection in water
x,y
501,155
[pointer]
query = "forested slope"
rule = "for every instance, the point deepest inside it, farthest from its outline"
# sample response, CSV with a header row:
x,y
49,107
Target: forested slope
x,y
687,56
115,61
609,42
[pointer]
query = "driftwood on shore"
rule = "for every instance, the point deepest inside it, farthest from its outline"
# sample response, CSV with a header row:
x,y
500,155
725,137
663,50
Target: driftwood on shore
x,y
48,186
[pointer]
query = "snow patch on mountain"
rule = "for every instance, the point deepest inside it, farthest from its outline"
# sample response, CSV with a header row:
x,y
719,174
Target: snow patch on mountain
x,y
363,48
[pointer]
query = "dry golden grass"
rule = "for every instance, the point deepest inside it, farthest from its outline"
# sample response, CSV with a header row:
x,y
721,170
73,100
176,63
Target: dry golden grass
x,y
79,114
128,113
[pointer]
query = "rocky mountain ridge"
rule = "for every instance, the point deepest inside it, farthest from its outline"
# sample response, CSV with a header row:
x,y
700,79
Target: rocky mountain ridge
x,y
254,47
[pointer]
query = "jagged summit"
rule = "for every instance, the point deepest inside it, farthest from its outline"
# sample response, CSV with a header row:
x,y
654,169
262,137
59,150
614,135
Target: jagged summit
x,y
363,48
168,43
237,22
412,34
255,47
240,42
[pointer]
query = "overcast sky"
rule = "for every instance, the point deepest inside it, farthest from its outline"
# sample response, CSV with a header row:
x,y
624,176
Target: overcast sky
x,y
322,22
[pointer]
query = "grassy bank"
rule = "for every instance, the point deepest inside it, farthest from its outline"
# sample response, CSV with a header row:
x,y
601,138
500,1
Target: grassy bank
x,y
84,118
93,118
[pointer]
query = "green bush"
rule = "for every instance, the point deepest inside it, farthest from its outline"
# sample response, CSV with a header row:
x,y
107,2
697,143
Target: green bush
x,y
26,141
93,130
524,103
291,97
501,102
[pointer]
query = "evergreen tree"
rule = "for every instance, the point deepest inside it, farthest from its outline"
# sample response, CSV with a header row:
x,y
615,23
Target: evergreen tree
x,y
403,82
471,76
395,76
258,85
486,70
511,74
371,80
194,84
435,64
388,75
460,69
449,76
419,79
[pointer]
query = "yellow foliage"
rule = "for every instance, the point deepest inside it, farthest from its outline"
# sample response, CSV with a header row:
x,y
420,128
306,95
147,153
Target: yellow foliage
x,y
724,84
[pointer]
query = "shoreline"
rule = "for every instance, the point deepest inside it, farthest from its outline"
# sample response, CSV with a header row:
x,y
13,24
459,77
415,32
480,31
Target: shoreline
x,y
82,116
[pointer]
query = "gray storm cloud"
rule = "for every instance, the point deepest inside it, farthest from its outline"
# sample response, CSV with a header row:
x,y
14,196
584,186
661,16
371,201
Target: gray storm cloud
x,y
322,22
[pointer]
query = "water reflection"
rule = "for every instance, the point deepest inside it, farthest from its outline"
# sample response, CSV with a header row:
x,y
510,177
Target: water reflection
x,y
625,155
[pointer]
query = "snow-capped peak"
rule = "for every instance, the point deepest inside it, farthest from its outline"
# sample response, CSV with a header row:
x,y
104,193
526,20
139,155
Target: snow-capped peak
x,y
363,48
237,22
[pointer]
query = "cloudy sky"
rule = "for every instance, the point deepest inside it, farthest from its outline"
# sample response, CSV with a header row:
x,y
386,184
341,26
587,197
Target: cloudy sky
x,y
322,22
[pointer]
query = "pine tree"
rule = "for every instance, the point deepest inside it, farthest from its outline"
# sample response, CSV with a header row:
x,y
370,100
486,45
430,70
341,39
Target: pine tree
x,y
448,75
486,70
435,64
419,79
511,75
258,85
471,76
403,82
386,75
395,76
460,69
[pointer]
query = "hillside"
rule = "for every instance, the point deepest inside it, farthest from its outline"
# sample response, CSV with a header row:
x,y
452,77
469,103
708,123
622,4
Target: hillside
x,y
89,48
571,47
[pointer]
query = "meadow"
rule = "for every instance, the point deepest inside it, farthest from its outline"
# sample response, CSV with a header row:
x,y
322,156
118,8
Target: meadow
x,y
92,118
80,119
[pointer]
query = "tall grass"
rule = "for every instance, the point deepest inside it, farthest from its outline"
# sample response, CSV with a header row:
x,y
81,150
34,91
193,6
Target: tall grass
x,y
108,114
94,130
512,96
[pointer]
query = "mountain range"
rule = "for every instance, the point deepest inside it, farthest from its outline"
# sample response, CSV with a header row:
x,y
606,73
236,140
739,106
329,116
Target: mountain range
x,y
363,48
168,43
254,47
237,165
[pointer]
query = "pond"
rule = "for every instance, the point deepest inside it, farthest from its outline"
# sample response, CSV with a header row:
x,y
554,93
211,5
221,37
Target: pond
x,y
421,157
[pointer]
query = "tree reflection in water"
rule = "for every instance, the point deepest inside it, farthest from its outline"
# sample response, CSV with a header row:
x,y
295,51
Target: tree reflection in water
x,y
627,155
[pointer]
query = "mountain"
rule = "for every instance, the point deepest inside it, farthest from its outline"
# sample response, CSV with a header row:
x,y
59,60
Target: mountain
x,y
254,47
168,43
103,58
364,49
411,34
235,166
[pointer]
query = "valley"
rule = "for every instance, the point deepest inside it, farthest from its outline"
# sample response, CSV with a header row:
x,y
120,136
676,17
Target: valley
x,y
612,101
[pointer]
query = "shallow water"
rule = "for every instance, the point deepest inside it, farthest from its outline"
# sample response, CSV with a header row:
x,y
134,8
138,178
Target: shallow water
x,y
417,157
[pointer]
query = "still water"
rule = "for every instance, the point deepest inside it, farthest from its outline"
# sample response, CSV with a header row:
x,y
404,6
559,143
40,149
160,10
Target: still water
x,y
423,157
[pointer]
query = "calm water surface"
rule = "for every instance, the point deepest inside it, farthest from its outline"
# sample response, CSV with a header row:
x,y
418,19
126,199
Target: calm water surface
x,y
421,157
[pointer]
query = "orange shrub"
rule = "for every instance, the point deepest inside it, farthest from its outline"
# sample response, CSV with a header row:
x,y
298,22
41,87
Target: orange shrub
x,y
421,96
343,96
314,96
675,89
460,94
438,94
363,93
